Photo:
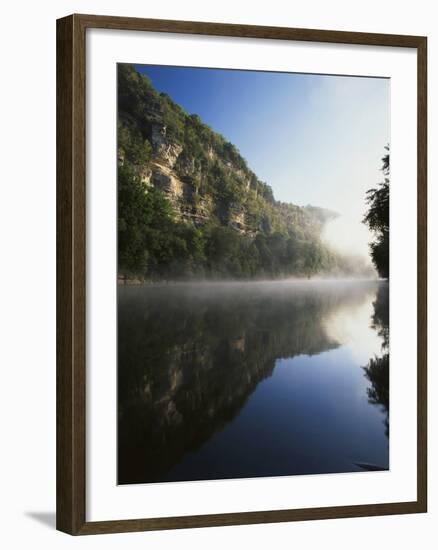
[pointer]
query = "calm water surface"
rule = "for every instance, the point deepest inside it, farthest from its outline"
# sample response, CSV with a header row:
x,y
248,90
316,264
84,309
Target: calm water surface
x,y
236,380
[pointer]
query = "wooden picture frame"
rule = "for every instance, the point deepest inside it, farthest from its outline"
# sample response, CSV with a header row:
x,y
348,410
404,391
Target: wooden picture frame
x,y
71,273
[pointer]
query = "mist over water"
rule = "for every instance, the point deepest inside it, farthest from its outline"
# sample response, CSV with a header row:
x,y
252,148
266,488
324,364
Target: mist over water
x,y
349,236
246,379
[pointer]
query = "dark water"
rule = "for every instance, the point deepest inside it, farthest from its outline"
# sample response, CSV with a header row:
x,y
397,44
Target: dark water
x,y
252,379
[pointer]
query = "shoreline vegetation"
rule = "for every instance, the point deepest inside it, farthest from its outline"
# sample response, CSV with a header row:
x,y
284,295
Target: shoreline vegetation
x,y
131,281
190,208
377,219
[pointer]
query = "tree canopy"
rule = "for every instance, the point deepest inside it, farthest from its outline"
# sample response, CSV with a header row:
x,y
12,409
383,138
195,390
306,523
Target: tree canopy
x,y
377,219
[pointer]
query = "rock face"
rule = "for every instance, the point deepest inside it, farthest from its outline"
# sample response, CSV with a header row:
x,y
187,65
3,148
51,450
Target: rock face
x,y
237,222
176,174
163,148
164,179
179,176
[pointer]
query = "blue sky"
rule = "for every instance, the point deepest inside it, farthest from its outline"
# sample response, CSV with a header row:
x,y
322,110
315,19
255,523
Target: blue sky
x,y
316,139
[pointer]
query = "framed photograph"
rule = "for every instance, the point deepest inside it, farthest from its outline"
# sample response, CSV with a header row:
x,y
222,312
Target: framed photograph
x,y
241,274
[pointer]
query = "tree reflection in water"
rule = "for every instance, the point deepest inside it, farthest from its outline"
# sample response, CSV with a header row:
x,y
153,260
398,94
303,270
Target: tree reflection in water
x,y
189,357
377,370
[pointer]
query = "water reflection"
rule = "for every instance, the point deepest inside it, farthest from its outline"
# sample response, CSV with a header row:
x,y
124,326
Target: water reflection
x,y
247,379
377,370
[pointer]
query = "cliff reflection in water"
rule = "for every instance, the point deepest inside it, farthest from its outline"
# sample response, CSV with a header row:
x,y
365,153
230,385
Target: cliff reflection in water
x,y
190,357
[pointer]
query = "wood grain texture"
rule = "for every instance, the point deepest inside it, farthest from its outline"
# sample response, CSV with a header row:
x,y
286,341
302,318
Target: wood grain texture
x,y
71,270
70,418
248,518
248,31
64,272
422,274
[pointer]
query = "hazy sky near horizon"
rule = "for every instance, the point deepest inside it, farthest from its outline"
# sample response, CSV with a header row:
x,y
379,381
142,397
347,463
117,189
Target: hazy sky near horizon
x,y
315,139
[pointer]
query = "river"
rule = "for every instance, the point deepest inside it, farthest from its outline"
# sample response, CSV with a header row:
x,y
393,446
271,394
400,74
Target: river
x,y
232,380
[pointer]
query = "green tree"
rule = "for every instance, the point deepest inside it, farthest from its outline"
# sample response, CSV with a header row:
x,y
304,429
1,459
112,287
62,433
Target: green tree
x,y
377,219
145,225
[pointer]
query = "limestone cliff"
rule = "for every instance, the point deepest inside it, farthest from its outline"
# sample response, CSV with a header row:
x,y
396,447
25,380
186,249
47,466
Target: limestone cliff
x,y
224,219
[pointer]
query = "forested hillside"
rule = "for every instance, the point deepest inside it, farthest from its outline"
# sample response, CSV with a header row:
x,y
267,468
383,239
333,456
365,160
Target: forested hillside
x,y
190,207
